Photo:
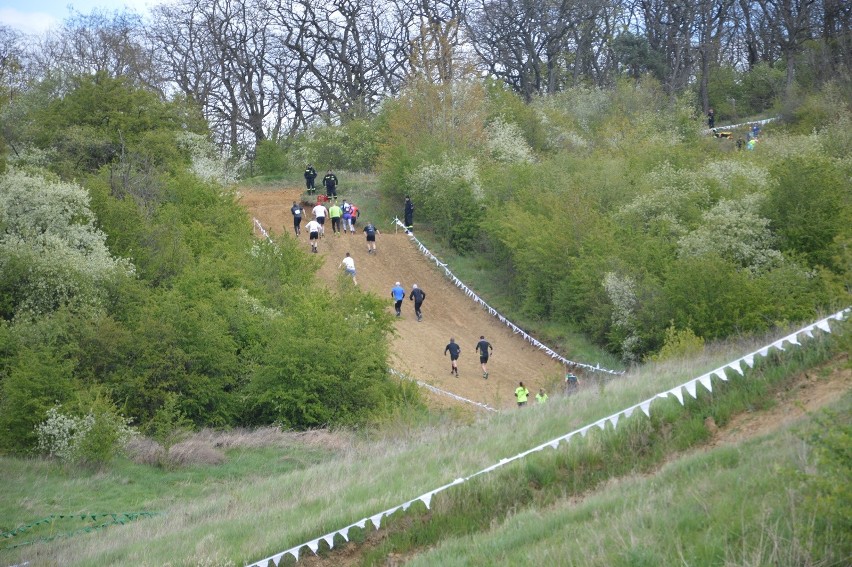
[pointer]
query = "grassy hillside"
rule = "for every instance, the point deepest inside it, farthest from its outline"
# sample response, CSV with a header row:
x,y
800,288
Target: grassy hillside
x,y
725,504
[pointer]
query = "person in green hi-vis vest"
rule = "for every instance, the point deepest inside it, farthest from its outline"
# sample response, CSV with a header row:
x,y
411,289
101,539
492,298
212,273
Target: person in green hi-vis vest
x,y
522,393
541,397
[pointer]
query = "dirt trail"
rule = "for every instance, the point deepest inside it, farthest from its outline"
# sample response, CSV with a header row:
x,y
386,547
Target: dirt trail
x,y
418,348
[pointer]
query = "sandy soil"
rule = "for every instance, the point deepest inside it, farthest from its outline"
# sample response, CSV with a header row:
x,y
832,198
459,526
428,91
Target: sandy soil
x,y
418,347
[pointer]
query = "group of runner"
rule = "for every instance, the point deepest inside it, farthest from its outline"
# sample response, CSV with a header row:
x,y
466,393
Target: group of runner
x,y
343,219
417,295
483,347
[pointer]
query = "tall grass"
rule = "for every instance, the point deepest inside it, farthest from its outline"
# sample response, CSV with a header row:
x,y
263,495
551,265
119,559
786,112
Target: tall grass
x,y
229,518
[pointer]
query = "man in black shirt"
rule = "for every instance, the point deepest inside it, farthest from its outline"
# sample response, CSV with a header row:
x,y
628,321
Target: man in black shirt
x,y
330,184
417,295
455,351
484,348
310,175
296,209
409,214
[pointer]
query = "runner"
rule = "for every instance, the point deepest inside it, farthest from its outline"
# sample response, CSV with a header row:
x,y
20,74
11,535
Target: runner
x,y
320,212
371,231
348,264
346,207
297,211
398,294
417,295
335,212
455,351
484,348
313,228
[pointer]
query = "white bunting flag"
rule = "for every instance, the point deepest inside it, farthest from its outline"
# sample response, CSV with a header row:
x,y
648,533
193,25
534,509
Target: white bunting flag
x,y
809,331
277,558
705,381
294,552
677,393
554,444
779,344
361,523
735,365
377,520
585,430
427,499
601,424
792,339
690,388
646,408
764,351
313,545
749,359
824,325
720,372
613,419
329,539
629,411
345,533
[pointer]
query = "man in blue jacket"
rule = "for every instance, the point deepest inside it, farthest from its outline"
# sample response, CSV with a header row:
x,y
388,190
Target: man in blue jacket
x,y
398,294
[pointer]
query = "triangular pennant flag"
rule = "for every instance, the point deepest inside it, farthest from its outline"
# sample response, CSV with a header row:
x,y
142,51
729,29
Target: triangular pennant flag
x,y
361,523
690,387
345,533
705,381
663,395
392,511
764,351
646,408
735,365
809,331
313,545
377,520
749,359
294,552
277,558
613,419
585,430
554,444
779,344
426,499
677,393
824,325
329,539
629,411
720,372
792,339
601,423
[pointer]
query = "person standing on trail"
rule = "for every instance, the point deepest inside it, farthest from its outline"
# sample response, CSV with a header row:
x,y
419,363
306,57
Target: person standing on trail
x,y
310,175
711,119
409,214
455,351
521,393
417,295
297,211
484,348
330,184
320,212
541,397
335,212
398,294
348,264
313,228
371,231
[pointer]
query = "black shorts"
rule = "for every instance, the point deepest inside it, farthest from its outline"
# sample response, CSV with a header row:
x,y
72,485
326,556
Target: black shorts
x,y
456,357
321,220
371,238
314,236
483,359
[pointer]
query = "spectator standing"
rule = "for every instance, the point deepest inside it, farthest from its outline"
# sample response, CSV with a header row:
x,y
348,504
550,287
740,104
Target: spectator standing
x,y
409,214
484,349
541,397
454,350
313,228
320,212
310,175
398,294
711,119
348,264
571,383
297,212
335,212
521,393
371,231
330,184
417,295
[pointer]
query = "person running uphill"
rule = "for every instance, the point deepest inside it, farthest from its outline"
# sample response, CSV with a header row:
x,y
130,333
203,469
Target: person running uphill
x,y
484,349
371,231
348,264
313,228
522,394
320,212
455,351
398,294
335,213
297,211
417,295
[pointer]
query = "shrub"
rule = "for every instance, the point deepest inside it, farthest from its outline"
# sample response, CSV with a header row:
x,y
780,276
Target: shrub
x,y
679,343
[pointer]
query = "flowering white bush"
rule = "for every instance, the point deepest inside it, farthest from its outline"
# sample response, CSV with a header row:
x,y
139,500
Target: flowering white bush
x,y
676,195
736,176
208,163
621,291
505,141
49,229
735,231
91,438
431,178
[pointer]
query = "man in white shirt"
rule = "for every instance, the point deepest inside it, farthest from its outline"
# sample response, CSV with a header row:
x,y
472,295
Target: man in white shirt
x,y
348,264
320,212
313,228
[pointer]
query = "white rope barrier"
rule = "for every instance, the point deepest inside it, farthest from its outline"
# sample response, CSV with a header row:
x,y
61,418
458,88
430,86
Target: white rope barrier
x,y
437,390
677,392
494,313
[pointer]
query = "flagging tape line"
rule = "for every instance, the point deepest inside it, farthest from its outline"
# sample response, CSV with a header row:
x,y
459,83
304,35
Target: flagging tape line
x,y
115,518
262,230
720,373
515,329
759,122
402,376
